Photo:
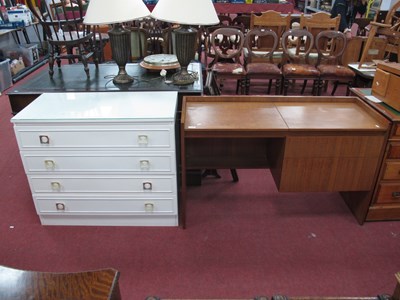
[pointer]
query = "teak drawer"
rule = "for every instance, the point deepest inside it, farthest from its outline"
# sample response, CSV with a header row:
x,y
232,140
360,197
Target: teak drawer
x,y
392,171
388,193
394,151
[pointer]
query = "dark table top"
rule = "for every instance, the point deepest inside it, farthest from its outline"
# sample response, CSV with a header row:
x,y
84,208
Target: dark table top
x,y
72,78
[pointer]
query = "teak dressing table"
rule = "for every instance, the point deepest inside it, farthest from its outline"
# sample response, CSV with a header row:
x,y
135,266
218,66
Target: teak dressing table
x,y
310,144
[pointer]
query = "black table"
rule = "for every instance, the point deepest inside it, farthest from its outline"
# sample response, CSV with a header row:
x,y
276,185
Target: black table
x,y
72,78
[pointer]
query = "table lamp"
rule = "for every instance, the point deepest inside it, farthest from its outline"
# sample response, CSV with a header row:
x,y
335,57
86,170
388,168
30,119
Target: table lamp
x,y
185,13
115,12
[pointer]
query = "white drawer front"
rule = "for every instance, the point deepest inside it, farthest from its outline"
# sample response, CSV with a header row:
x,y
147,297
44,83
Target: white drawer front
x,y
97,161
56,137
114,206
145,185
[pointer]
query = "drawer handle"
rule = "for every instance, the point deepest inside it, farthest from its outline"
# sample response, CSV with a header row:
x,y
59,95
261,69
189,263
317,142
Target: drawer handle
x,y
143,140
148,207
147,186
144,164
60,206
44,139
49,164
396,194
55,186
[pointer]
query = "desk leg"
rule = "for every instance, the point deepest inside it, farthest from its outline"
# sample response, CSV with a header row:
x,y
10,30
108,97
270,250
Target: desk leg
x,y
182,198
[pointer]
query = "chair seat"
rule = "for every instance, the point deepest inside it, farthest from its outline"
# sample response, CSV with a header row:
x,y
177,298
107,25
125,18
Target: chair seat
x,y
228,69
336,71
300,70
262,68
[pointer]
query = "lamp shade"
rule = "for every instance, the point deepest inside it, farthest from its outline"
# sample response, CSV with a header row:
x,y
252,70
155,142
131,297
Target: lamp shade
x,y
186,12
115,11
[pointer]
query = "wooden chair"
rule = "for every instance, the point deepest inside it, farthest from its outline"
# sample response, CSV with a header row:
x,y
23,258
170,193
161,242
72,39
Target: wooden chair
x,y
227,44
276,22
67,36
88,285
209,54
156,35
272,20
298,66
139,38
315,23
263,67
330,47
225,20
243,21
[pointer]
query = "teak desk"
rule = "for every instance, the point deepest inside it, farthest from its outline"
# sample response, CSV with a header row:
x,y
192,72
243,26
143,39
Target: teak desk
x,y
310,144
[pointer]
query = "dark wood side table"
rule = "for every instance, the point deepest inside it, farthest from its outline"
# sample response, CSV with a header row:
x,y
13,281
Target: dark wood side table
x,y
385,204
21,284
71,78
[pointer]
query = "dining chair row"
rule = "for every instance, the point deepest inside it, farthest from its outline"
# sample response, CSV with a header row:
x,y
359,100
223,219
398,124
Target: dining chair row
x,y
252,57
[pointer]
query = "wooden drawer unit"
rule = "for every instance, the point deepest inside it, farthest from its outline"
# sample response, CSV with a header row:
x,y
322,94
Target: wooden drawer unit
x,y
388,193
385,203
101,158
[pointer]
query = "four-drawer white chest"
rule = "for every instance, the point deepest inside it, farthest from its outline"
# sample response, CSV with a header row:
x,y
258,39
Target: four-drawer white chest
x,y
101,158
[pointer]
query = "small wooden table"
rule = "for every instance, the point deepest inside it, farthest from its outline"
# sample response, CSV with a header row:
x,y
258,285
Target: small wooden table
x,y
21,284
310,144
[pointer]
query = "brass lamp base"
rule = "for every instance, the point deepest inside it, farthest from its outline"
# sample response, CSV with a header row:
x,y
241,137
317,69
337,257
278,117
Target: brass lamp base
x,y
122,77
185,40
120,39
183,77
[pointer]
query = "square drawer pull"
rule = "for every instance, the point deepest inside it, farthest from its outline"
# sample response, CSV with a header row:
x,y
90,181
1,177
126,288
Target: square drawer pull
x,y
44,139
143,140
55,186
147,186
60,206
49,164
148,207
396,194
144,164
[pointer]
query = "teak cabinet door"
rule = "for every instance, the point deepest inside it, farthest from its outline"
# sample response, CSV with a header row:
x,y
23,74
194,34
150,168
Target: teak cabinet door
x,y
330,163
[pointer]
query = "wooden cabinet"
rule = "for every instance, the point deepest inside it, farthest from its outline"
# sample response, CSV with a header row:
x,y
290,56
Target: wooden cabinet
x,y
101,158
385,203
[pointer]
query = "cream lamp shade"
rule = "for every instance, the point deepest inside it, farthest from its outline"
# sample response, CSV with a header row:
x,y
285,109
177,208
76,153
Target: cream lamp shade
x,y
186,12
115,11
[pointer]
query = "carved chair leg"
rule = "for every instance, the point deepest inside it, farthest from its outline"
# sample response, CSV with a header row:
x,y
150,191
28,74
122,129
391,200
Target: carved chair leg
x,y
315,87
335,85
235,176
304,87
285,86
278,87
269,86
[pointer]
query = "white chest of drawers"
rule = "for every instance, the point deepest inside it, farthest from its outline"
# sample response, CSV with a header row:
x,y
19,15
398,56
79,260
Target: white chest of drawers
x,y
101,158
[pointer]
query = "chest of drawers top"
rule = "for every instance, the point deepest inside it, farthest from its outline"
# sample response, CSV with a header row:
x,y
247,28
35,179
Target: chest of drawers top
x,y
100,107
